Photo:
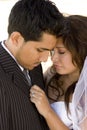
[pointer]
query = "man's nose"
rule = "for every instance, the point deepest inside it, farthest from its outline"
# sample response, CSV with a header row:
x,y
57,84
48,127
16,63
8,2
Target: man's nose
x,y
44,56
54,57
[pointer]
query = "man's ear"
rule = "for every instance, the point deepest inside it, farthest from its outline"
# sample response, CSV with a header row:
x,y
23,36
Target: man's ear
x,y
16,38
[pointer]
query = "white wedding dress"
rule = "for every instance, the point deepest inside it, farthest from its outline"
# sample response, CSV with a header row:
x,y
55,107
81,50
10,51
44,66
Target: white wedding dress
x,y
59,108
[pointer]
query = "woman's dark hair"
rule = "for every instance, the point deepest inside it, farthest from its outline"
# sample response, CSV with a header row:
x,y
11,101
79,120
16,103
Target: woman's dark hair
x,y
74,35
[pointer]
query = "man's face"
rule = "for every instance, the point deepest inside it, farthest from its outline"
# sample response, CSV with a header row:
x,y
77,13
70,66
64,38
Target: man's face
x,y
32,53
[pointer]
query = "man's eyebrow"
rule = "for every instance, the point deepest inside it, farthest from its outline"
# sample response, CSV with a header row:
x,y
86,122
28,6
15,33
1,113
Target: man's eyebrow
x,y
45,49
59,47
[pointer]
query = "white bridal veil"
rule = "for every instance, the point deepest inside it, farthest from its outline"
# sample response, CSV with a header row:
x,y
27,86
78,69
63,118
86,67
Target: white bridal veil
x,y
79,101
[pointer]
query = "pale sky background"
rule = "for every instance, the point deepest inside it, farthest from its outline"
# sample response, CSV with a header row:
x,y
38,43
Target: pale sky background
x,y
65,6
72,6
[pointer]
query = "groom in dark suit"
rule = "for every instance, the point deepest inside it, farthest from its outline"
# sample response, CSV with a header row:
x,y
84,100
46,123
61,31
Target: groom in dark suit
x,y
33,27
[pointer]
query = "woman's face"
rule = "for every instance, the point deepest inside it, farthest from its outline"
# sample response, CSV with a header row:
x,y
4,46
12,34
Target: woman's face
x,y
62,59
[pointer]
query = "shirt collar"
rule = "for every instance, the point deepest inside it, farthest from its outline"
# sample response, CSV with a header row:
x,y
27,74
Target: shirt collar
x,y
3,45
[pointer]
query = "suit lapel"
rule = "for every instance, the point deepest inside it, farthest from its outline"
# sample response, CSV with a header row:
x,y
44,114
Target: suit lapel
x,y
11,68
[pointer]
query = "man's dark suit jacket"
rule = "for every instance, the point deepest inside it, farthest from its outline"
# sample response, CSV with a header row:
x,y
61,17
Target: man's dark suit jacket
x,y
16,110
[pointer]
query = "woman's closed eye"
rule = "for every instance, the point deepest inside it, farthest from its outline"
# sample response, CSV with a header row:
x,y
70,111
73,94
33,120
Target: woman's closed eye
x,y
61,52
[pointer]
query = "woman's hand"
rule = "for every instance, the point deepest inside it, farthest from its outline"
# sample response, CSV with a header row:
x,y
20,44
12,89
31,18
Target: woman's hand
x,y
38,97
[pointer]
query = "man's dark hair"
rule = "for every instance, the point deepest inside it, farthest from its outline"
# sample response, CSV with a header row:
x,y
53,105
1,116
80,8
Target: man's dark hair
x,y
33,17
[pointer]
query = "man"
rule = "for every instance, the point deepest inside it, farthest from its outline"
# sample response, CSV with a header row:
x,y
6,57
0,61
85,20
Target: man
x,y
33,27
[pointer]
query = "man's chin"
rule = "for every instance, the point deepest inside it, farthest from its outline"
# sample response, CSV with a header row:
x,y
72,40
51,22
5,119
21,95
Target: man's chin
x,y
33,66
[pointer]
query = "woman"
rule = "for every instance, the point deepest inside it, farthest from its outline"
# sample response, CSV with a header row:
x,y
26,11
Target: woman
x,y
69,61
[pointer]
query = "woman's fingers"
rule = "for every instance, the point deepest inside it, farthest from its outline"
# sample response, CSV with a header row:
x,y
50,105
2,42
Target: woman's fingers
x,y
35,91
38,97
36,94
35,88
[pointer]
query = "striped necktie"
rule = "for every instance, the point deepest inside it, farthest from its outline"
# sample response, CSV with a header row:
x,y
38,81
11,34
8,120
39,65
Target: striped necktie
x,y
27,76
